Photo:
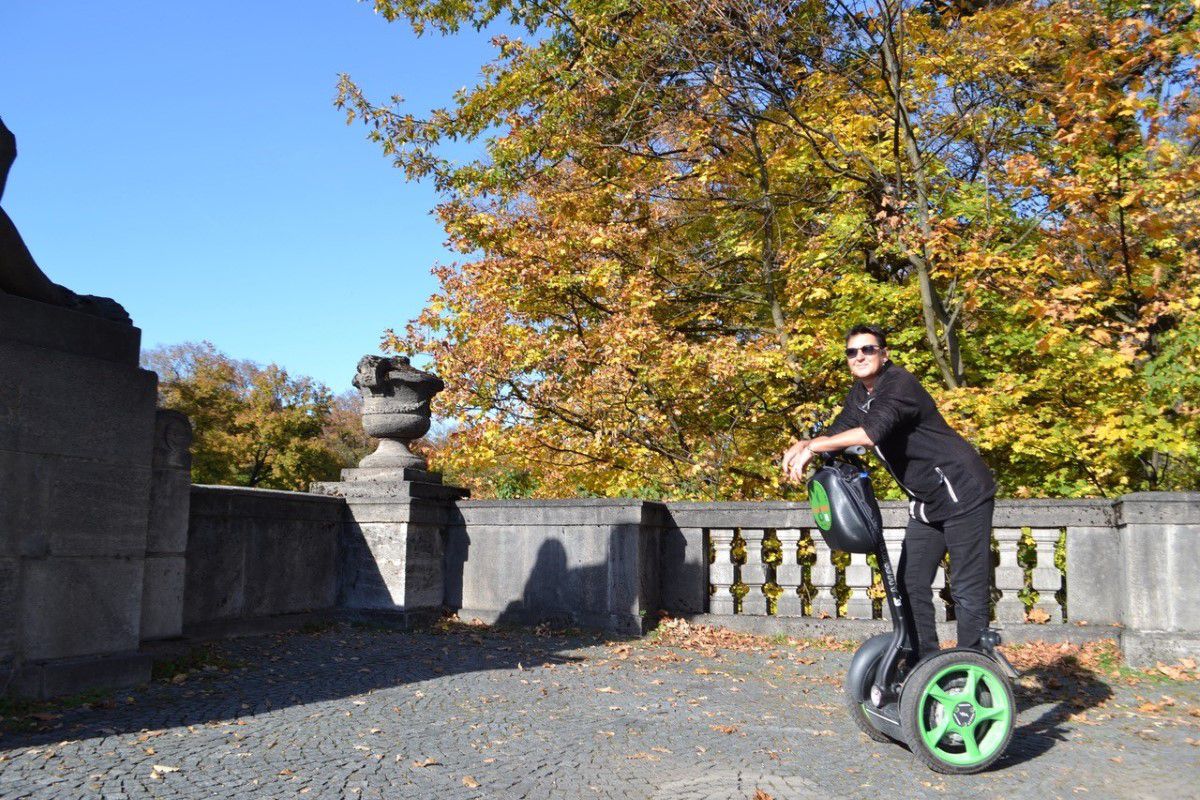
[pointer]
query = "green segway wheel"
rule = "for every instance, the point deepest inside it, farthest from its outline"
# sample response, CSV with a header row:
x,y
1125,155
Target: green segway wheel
x,y
957,712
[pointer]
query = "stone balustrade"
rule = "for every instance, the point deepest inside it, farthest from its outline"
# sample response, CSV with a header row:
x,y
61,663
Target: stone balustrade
x,y
1120,567
791,572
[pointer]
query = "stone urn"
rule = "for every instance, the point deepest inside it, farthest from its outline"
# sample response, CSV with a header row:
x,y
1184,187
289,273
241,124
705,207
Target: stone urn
x,y
396,399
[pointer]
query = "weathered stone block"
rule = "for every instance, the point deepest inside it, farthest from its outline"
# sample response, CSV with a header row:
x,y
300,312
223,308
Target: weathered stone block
x,y
398,509
215,581
1095,575
1145,649
257,552
162,597
229,502
170,506
74,675
576,566
1055,513
290,567
684,570
582,511
97,509
26,480
43,411
171,483
80,606
1160,508
1160,571
765,514
396,565
54,328
10,577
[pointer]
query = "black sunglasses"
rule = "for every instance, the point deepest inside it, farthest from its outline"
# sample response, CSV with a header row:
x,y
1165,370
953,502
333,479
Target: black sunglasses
x,y
868,350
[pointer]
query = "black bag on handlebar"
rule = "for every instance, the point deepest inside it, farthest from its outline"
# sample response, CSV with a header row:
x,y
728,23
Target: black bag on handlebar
x,y
844,506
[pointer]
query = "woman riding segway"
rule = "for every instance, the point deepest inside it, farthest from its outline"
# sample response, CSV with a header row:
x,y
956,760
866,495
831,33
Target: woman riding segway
x,y
962,719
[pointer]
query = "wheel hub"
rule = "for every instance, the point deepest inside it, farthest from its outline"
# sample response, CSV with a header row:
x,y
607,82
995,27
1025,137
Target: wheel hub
x,y
964,719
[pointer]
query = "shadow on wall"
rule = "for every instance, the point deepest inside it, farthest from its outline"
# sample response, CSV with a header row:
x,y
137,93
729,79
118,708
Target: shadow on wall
x,y
603,577
551,590
545,599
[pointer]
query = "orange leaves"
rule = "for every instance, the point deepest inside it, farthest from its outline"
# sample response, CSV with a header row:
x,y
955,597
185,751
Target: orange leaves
x,y
663,252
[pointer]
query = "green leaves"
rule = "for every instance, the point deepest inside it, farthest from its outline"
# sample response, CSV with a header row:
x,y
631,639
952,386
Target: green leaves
x,y
254,425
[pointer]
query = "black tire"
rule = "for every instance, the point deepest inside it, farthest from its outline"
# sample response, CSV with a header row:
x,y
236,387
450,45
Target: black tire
x,y
957,712
857,712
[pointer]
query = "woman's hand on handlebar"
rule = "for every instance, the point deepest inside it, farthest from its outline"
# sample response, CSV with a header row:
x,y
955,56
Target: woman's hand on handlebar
x,y
796,460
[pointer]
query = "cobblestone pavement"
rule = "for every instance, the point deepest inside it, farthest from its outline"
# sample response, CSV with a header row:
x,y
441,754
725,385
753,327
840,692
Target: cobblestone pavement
x,y
355,712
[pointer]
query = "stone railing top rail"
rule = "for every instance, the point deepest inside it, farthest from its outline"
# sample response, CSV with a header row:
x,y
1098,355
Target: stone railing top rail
x,y
1139,507
263,504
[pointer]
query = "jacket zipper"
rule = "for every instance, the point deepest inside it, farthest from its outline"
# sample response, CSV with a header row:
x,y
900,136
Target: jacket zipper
x,y
946,481
916,509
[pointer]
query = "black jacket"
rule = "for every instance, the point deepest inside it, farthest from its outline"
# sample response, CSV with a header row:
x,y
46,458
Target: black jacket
x,y
940,472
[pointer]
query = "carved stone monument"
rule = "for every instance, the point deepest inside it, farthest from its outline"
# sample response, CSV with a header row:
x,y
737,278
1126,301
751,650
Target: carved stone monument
x,y
393,538
77,475
20,274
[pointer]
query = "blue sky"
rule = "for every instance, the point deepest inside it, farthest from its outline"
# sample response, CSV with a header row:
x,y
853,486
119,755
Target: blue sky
x,y
186,160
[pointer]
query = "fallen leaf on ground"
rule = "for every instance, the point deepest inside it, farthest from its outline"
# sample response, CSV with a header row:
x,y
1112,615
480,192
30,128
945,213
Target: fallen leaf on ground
x,y
470,782
429,762
1180,672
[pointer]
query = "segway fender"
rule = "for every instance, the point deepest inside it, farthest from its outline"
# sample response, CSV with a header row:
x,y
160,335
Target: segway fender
x,y
861,674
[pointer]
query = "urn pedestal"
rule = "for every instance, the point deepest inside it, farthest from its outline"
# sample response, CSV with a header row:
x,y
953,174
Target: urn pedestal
x,y
392,543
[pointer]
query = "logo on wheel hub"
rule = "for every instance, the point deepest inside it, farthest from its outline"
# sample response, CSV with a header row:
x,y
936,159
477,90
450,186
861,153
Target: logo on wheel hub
x,y
964,714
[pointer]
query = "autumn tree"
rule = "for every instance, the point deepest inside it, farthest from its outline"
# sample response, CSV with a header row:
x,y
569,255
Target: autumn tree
x,y
682,204
343,432
253,425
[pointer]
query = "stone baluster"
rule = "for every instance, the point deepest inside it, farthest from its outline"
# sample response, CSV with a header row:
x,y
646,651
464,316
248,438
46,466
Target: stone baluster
x,y
893,538
1010,577
940,604
789,574
721,572
858,579
824,577
1047,579
754,572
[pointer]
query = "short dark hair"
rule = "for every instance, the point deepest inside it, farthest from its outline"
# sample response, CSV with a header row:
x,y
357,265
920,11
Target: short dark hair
x,y
874,330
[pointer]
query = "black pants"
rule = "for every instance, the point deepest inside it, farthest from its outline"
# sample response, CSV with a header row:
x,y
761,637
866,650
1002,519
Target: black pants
x,y
968,537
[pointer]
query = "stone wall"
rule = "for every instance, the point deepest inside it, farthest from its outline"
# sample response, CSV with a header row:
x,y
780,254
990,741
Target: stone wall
x,y
1154,572
610,563
77,422
258,552
592,563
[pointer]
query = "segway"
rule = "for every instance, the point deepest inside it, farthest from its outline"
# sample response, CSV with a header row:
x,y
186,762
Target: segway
x,y
954,709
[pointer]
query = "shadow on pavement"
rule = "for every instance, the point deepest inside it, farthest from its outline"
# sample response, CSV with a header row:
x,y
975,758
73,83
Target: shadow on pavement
x,y
236,678
1069,688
